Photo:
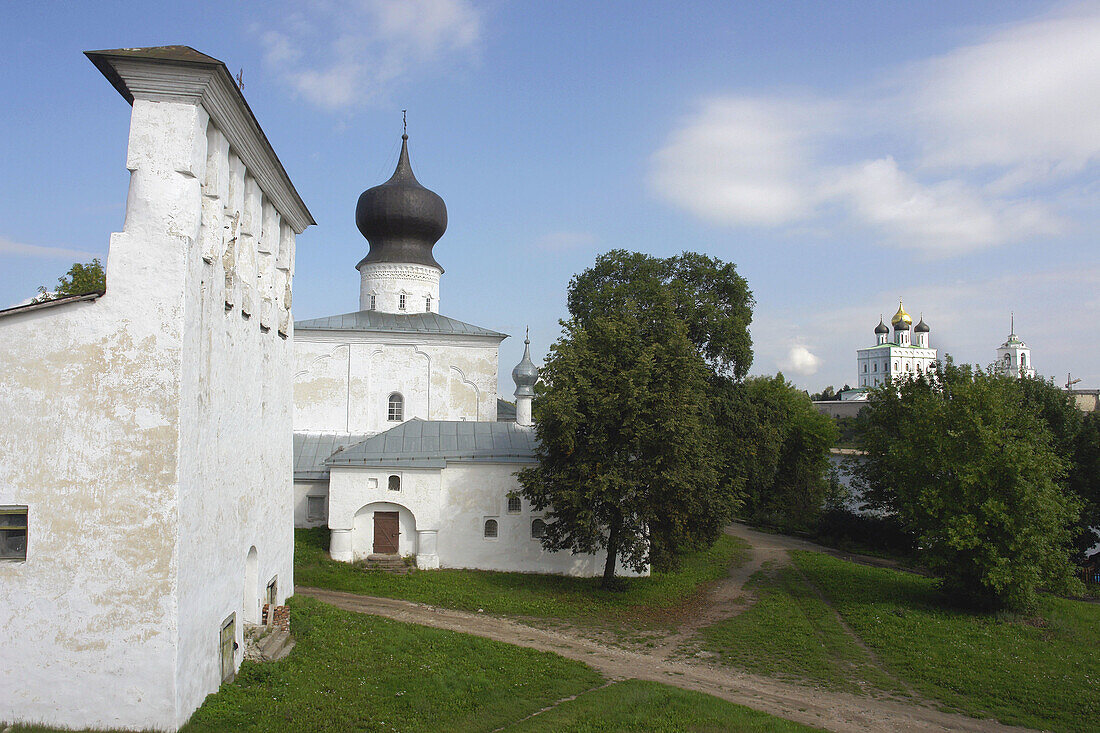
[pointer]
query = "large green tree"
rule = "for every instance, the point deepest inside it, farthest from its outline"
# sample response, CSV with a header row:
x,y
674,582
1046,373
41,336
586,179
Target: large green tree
x,y
972,472
81,279
625,454
708,296
776,445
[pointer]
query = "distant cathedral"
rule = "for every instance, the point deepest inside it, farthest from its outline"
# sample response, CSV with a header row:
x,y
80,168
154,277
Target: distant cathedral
x,y
898,358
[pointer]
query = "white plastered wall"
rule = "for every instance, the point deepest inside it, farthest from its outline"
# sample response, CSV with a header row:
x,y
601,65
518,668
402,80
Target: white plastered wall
x,y
343,380
149,433
449,507
387,281
302,491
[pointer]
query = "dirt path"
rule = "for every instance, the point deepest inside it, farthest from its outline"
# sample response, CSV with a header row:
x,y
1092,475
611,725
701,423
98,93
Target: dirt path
x,y
830,709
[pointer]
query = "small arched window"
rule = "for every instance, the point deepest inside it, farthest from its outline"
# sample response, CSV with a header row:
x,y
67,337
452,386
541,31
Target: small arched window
x,y
401,302
538,528
875,365
864,368
396,412
395,483
490,529
514,504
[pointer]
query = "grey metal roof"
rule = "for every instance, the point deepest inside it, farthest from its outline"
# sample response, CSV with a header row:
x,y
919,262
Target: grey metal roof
x,y
311,450
434,443
506,411
27,307
395,323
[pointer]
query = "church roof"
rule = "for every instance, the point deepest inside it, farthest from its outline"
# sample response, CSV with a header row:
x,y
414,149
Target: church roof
x,y
312,449
433,443
506,411
396,323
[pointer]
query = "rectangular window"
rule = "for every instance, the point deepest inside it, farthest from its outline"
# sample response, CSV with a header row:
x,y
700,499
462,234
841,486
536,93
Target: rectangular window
x,y
315,507
373,301
428,305
514,505
13,533
401,302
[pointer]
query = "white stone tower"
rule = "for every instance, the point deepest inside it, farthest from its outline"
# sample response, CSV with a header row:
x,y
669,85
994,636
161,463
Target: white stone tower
x,y
1014,356
525,375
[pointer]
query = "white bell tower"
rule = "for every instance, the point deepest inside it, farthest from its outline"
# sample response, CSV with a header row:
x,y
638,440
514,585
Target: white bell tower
x,y
1014,356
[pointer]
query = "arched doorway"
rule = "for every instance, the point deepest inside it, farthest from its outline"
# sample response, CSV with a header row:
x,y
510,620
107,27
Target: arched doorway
x,y
383,528
251,598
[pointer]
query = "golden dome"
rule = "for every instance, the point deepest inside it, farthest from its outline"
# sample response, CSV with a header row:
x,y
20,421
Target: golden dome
x,y
901,317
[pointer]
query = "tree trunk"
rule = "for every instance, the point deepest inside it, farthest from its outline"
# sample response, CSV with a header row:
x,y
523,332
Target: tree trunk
x,y
612,551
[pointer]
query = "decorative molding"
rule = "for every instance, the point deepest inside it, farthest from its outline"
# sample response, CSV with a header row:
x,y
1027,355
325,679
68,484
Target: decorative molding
x,y
323,357
386,271
477,392
208,83
428,382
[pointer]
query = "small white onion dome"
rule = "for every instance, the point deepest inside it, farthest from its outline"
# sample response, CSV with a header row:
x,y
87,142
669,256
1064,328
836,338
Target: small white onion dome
x,y
921,327
881,327
525,373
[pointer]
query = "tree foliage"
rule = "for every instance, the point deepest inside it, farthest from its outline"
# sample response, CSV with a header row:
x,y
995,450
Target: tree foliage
x,y
626,457
81,279
973,473
708,296
775,445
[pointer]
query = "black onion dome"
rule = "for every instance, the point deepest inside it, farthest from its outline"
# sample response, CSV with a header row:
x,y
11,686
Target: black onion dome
x,y
881,327
401,219
922,327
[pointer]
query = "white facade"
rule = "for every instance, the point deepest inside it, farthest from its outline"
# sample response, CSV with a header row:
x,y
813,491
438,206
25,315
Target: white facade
x,y
1014,356
898,358
147,431
399,288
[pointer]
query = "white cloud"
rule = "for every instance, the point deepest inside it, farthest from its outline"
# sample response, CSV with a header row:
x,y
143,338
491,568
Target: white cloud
x,y
7,246
1027,96
1000,128
800,361
565,240
740,161
343,55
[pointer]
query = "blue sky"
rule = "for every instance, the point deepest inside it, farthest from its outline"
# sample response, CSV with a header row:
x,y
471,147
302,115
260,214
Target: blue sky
x,y
842,154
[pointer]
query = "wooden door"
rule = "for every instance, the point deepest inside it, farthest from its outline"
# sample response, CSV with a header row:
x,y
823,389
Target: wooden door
x,y
386,533
228,647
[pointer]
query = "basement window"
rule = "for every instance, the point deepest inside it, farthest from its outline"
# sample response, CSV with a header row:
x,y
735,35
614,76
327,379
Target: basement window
x,y
315,507
13,533
514,505
490,529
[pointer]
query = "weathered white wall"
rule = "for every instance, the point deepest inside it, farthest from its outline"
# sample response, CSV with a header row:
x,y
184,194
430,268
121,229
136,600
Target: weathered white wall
x,y
343,381
149,433
448,507
303,490
236,443
387,281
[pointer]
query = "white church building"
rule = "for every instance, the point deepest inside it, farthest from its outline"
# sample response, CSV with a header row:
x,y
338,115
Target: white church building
x,y
401,445
145,443
1014,356
904,355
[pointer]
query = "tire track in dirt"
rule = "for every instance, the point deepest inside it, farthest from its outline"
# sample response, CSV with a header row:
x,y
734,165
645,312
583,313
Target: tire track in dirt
x,y
837,711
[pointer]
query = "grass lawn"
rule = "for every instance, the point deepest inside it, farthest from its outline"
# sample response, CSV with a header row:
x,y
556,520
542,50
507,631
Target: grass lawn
x,y
634,705
352,672
790,633
652,601
1042,672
